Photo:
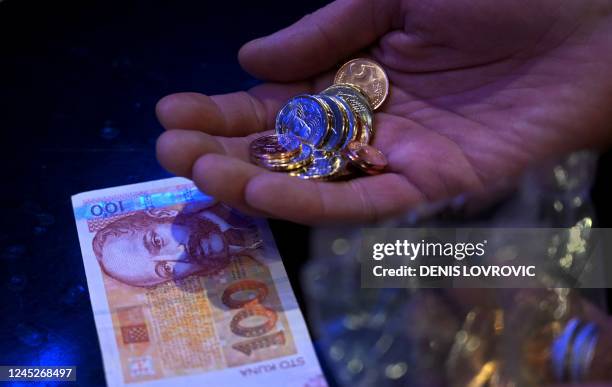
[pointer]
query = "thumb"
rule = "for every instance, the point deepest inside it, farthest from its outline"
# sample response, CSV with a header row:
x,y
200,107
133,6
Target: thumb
x,y
319,40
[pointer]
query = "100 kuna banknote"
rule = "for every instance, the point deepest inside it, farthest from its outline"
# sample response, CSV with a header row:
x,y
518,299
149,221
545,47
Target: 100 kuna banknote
x,y
187,291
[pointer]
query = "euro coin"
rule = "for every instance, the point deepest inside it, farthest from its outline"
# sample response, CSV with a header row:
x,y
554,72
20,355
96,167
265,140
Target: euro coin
x,y
358,106
365,157
301,160
352,129
321,153
369,76
274,146
321,168
305,118
337,132
347,90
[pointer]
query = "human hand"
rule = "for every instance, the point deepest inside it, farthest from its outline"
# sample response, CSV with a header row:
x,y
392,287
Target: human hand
x,y
479,90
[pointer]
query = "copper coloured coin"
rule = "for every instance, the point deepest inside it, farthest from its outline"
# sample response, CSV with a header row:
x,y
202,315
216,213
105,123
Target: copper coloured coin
x,y
368,76
367,158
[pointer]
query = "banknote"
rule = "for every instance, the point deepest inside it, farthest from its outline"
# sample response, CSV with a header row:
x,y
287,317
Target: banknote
x,y
186,290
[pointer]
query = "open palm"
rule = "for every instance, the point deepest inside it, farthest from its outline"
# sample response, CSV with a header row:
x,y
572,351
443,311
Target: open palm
x,y
479,90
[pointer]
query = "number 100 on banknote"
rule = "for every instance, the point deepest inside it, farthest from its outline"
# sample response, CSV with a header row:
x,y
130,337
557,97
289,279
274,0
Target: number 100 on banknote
x,y
187,290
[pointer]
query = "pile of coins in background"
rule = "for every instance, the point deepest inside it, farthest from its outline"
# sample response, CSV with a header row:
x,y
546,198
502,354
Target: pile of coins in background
x,y
327,135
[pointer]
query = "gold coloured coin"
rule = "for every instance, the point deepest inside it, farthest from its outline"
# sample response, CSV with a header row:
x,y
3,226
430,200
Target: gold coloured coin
x,y
369,76
351,89
301,160
274,147
365,157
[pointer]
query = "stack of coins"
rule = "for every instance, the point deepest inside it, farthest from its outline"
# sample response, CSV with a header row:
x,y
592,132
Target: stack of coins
x,y
327,135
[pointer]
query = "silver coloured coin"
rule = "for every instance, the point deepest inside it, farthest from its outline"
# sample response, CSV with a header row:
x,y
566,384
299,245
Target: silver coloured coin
x,y
352,127
360,106
321,168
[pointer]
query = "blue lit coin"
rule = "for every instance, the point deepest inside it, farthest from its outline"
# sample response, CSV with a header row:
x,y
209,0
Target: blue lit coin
x,y
305,118
321,154
335,136
351,130
289,142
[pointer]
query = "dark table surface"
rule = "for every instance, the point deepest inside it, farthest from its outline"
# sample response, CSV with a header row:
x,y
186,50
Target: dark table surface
x,y
78,86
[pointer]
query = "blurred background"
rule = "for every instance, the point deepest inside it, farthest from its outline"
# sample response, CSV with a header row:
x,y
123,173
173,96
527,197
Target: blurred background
x,y
78,86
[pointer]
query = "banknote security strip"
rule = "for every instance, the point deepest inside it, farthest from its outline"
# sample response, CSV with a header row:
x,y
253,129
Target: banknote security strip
x,y
327,136
186,290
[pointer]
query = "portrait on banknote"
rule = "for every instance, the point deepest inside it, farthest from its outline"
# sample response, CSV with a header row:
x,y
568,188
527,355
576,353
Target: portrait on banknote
x,y
152,246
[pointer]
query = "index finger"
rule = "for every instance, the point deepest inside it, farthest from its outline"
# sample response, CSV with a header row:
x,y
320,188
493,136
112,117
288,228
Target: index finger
x,y
232,114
